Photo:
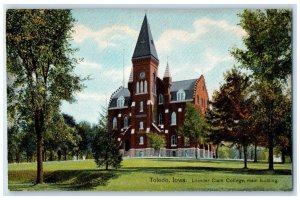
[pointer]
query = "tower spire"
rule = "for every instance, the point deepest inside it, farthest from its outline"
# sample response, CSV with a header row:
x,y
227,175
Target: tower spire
x,y
130,80
167,71
145,45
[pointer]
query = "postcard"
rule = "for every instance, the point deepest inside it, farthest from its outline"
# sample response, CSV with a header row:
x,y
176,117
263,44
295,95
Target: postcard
x,y
155,100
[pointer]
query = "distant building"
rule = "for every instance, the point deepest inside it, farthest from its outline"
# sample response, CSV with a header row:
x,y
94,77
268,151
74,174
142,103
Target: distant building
x,y
152,104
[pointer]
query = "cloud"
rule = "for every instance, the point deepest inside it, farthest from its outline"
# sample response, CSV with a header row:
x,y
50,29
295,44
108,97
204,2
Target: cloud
x,y
117,74
211,60
91,97
201,27
91,65
107,36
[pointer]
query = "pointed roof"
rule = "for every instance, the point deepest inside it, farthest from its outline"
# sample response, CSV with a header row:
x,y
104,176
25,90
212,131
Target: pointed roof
x,y
131,76
167,72
145,44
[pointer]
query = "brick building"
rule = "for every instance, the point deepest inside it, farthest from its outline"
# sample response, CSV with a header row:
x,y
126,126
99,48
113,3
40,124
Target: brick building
x,y
152,104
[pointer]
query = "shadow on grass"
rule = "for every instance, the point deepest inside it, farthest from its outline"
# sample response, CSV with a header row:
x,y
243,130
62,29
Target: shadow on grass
x,y
80,179
174,170
63,179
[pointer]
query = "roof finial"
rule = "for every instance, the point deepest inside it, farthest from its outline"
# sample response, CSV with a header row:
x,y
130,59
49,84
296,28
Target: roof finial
x,y
131,76
167,72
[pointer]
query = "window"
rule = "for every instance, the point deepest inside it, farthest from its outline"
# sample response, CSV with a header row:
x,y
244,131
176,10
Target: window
x,y
141,106
141,125
180,95
160,119
198,100
125,122
141,140
160,99
173,140
202,102
173,118
115,123
137,87
120,102
154,84
145,87
141,87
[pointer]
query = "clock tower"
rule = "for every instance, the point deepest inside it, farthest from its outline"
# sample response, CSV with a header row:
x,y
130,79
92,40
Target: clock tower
x,y
142,85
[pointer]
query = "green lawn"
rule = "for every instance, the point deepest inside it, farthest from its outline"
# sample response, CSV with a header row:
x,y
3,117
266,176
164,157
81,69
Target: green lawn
x,y
152,175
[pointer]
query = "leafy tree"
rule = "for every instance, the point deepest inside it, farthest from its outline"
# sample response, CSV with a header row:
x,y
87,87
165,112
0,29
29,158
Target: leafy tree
x,y
193,125
235,103
84,129
268,55
156,141
105,150
268,52
39,56
216,129
274,116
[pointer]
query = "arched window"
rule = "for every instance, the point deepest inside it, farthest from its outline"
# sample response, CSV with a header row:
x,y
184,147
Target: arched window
x,y
173,118
141,125
198,100
141,107
180,95
120,102
141,140
173,140
137,87
160,99
160,119
141,87
125,122
154,84
115,123
145,87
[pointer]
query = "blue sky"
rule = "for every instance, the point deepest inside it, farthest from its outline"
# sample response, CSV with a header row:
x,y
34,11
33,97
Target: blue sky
x,y
195,42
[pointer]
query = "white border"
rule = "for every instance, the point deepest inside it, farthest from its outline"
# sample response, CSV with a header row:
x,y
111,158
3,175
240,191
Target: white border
x,y
159,4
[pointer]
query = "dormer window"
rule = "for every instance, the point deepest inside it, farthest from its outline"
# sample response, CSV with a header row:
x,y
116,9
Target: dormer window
x,y
120,102
180,95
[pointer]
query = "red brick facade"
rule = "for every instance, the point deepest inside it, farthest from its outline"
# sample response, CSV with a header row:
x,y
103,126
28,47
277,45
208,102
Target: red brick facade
x,y
151,104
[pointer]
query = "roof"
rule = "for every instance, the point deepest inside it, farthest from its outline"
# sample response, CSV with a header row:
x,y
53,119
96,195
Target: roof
x,y
145,44
118,93
187,85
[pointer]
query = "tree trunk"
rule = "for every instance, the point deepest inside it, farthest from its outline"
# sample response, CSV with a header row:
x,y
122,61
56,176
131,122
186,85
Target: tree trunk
x,y
240,152
217,151
271,146
282,155
245,156
39,150
255,152
65,155
196,151
51,155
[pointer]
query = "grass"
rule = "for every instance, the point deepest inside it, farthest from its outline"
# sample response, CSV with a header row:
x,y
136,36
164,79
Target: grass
x,y
152,175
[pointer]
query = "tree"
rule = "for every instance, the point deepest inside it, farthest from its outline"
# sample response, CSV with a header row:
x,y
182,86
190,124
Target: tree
x,y
84,129
156,141
105,150
216,129
234,104
39,56
193,125
268,43
268,54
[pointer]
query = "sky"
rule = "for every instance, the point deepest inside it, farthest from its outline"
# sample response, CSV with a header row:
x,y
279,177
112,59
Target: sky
x,y
193,41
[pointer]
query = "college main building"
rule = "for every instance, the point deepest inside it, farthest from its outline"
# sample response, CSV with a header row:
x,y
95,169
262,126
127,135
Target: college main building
x,y
152,104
